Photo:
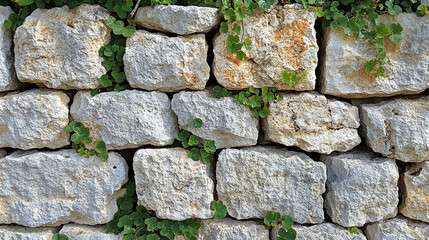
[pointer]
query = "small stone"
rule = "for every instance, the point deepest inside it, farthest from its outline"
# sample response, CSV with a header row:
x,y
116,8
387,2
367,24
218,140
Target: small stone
x,y
3,153
58,47
362,188
54,188
172,184
11,232
344,72
232,229
126,119
397,228
313,123
34,119
181,20
225,121
398,128
283,39
82,232
252,181
415,192
154,61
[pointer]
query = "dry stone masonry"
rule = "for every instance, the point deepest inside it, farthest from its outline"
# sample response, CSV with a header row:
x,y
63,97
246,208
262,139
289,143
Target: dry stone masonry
x,y
83,232
232,229
8,232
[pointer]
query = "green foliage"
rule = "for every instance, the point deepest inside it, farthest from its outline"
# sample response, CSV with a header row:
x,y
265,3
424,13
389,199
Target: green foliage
x,y
80,137
292,78
218,209
219,92
353,230
258,100
138,223
58,236
286,232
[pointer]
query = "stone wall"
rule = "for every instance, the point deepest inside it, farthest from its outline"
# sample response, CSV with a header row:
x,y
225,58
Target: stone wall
x,y
341,149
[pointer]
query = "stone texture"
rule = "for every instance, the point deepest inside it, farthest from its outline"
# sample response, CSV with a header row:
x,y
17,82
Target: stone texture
x,y
397,229
415,192
34,119
11,232
398,128
53,188
154,61
58,48
283,39
8,80
232,229
224,120
126,119
181,20
3,153
362,188
82,232
343,73
323,231
252,181
172,184
313,123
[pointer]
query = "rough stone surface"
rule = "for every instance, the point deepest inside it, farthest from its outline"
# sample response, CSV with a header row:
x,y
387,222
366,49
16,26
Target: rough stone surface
x,y
398,128
415,192
34,119
224,120
126,119
8,80
254,180
181,20
154,61
313,123
232,229
58,48
323,231
11,232
172,184
3,153
343,71
53,188
283,39
82,232
397,229
362,188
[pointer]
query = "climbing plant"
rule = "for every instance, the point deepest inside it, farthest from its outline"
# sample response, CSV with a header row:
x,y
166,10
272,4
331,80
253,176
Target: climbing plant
x,y
285,232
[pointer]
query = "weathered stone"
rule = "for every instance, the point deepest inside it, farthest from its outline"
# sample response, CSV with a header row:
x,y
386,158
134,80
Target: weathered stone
x,y
82,232
362,188
34,119
313,123
415,192
252,181
181,20
231,229
11,232
343,73
53,188
283,39
154,61
58,48
224,120
397,229
323,231
172,184
3,153
8,80
398,128
126,119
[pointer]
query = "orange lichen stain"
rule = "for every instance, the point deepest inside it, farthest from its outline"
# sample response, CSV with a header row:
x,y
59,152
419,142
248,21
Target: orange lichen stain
x,y
361,76
192,78
390,46
194,208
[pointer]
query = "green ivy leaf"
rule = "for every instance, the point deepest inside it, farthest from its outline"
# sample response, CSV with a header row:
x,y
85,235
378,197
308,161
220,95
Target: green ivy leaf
x,y
194,154
219,210
236,28
193,140
210,146
58,236
151,223
272,218
223,27
197,123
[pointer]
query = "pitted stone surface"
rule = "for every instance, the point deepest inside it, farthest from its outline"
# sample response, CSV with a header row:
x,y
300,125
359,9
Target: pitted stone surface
x,y
397,229
362,188
224,120
343,71
34,119
126,119
53,188
82,232
172,184
181,20
398,128
11,232
58,48
313,123
232,229
252,181
283,39
154,61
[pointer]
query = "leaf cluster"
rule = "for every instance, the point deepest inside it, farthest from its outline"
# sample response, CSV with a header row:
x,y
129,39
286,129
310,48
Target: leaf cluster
x,y
59,236
292,78
218,209
258,99
353,230
286,232
219,92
